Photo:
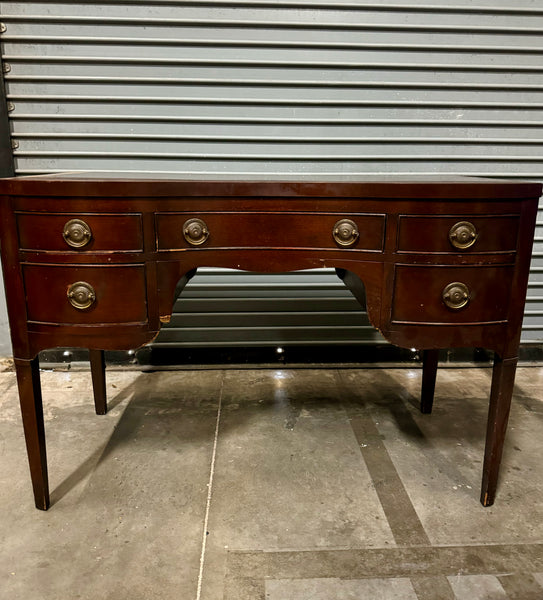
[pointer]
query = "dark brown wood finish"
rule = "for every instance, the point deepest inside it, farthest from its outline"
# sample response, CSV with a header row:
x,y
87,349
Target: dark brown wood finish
x,y
503,379
429,372
98,372
116,288
489,287
120,294
28,381
41,232
431,234
262,229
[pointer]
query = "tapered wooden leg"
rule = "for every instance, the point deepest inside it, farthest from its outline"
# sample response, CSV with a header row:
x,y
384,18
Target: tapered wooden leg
x,y
429,372
98,373
503,379
28,380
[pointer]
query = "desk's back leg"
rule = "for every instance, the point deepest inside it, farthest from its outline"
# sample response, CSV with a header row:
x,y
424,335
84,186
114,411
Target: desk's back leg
x,y
429,372
503,379
98,373
28,380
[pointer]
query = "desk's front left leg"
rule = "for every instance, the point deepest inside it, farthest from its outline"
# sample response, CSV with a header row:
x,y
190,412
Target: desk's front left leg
x,y
28,380
503,379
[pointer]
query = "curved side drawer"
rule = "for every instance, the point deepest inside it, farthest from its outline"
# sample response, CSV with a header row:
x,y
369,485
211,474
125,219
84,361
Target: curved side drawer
x,y
419,294
120,294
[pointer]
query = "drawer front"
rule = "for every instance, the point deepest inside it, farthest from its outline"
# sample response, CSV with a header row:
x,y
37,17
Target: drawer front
x,y
462,233
421,294
80,232
119,294
274,230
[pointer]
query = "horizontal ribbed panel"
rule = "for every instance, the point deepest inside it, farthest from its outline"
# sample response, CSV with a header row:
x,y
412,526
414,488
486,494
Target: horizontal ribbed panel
x,y
225,308
286,87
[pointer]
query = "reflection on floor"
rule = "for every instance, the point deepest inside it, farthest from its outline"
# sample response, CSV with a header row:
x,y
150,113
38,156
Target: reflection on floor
x,y
273,484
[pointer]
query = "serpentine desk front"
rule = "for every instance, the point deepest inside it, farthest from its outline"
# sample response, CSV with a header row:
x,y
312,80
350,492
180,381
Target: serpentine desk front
x,y
95,260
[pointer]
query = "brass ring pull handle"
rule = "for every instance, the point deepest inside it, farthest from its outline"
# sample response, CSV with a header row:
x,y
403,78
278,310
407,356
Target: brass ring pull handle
x,y
195,232
463,235
81,295
346,232
77,233
456,295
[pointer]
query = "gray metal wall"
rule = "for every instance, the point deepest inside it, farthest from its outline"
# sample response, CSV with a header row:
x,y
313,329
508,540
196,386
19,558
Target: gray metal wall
x,y
390,86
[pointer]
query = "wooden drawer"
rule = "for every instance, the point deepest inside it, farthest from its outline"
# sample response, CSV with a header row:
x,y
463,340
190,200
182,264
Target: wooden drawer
x,y
44,231
494,234
120,293
270,230
418,294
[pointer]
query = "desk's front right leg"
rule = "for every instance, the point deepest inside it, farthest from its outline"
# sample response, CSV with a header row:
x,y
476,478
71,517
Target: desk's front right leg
x,y
503,380
28,380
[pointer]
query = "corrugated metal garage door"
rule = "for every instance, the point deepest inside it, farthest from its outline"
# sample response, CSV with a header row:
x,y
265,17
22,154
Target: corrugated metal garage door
x,y
278,87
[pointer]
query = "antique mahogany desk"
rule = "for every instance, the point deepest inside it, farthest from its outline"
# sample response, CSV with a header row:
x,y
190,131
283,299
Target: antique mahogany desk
x,y
95,260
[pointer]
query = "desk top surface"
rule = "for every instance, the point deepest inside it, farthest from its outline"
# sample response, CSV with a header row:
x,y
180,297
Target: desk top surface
x,y
133,184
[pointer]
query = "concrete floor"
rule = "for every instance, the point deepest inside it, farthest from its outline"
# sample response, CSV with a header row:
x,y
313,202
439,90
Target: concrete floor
x,y
272,484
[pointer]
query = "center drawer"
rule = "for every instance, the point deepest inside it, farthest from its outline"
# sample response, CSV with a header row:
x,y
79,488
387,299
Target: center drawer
x,y
271,230
84,295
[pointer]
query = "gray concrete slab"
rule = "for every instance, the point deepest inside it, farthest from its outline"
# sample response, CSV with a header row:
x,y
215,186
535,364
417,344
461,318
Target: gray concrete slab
x,y
477,587
304,485
129,490
288,433
259,485
339,589
439,457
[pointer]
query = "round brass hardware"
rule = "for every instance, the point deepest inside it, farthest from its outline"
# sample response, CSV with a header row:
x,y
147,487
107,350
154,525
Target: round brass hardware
x,y
345,232
81,295
195,231
463,235
77,233
456,295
